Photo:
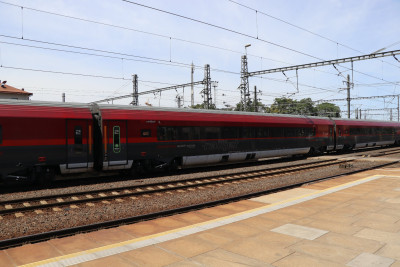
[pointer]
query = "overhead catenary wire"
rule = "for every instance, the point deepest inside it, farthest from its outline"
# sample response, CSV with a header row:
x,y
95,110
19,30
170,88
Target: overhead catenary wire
x,y
132,29
127,28
222,28
151,81
311,32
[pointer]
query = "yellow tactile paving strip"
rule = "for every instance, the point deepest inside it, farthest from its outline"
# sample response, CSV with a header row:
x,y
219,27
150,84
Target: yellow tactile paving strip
x,y
228,222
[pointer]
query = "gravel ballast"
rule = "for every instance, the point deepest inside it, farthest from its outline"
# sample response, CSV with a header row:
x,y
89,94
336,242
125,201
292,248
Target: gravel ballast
x,y
31,223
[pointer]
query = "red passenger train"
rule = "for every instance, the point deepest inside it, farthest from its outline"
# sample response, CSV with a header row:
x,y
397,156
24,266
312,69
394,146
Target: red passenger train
x,y
42,140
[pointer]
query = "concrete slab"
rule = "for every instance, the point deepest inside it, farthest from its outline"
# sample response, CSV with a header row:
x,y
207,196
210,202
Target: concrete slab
x,y
107,262
188,246
370,260
260,223
220,257
150,256
298,259
325,252
184,263
351,242
72,244
276,240
109,236
192,217
284,195
331,226
5,260
378,225
257,249
381,236
239,230
169,223
216,212
32,253
143,228
300,231
390,251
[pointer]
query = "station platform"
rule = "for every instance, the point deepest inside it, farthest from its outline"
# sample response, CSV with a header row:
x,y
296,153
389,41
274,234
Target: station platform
x,y
349,221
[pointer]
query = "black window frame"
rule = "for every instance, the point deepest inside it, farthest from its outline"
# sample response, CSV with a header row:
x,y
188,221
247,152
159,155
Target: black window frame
x,y
116,139
78,138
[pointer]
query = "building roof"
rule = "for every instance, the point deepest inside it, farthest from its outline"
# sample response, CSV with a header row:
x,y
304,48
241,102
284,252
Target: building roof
x,y
6,89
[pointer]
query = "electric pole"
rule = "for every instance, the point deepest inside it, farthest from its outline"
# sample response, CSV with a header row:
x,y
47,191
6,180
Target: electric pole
x,y
207,87
398,108
348,96
255,99
135,100
192,87
244,86
215,84
178,99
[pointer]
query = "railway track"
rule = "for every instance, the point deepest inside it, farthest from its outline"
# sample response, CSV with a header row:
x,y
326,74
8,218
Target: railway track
x,y
39,205
7,243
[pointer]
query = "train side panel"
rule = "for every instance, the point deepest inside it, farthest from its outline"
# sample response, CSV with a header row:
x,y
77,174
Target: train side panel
x,y
39,140
358,133
160,138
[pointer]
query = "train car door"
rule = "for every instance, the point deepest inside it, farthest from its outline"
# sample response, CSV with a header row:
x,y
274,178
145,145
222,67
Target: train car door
x,y
115,143
77,144
331,136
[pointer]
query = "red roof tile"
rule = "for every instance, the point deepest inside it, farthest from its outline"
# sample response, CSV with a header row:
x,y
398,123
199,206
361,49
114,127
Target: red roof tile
x,y
12,90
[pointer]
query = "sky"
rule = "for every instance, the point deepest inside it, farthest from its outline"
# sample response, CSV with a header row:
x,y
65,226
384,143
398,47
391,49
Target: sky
x,y
89,50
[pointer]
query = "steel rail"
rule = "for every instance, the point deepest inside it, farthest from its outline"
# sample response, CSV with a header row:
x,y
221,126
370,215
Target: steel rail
x,y
18,241
213,180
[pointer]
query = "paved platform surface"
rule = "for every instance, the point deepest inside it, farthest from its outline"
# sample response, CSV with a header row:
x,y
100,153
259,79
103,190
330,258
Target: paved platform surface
x,y
350,221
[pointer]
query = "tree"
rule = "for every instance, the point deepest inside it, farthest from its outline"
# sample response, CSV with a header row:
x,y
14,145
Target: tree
x,y
203,106
283,105
328,110
306,107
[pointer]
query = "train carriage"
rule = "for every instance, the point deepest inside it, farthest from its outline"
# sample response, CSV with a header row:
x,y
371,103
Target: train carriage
x,y
41,139
153,137
352,133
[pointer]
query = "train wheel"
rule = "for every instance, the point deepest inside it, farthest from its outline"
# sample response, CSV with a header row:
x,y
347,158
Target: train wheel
x,y
311,152
174,165
44,176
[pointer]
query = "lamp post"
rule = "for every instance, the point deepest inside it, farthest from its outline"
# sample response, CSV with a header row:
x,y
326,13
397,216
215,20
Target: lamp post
x,y
245,47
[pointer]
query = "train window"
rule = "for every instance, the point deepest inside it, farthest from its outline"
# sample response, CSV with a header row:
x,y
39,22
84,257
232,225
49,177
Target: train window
x,y
161,133
185,133
116,139
78,135
78,147
146,133
263,132
247,132
1,135
212,132
290,132
229,132
277,132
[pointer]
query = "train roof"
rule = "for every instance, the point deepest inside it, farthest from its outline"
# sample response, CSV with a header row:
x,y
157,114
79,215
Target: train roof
x,y
356,122
44,109
48,109
148,113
